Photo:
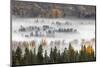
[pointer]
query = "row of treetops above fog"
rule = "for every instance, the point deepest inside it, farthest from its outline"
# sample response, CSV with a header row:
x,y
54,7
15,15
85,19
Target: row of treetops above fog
x,y
51,10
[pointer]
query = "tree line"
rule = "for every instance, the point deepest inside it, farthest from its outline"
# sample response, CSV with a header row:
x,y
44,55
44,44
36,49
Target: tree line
x,y
69,55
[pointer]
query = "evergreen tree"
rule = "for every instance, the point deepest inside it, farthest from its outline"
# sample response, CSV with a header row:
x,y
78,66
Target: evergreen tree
x,y
58,57
83,55
27,57
40,55
18,54
46,58
55,55
51,56
71,54
76,56
64,56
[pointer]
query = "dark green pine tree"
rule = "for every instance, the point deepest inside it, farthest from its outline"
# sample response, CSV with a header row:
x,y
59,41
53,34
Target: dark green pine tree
x,y
27,57
40,55
46,58
71,53
58,57
51,56
76,56
82,54
55,55
64,56
18,54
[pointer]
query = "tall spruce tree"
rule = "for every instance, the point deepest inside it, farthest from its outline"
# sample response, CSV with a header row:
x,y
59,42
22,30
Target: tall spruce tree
x,y
71,53
46,58
40,55
55,55
76,56
58,57
51,56
18,54
27,58
83,55
64,56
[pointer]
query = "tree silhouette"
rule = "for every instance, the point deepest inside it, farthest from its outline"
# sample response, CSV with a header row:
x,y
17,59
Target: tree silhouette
x,y
64,56
18,55
83,55
71,53
46,58
27,56
58,57
55,55
40,55
51,56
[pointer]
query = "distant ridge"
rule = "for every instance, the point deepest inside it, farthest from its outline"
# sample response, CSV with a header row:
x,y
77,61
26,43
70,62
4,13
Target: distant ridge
x,y
51,10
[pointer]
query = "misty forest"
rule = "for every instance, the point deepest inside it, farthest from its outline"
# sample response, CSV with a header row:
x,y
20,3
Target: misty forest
x,y
50,33
69,55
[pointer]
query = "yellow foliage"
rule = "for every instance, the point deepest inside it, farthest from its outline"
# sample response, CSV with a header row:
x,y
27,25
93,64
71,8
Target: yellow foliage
x,y
55,13
89,50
